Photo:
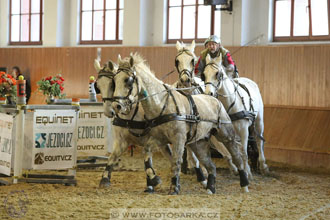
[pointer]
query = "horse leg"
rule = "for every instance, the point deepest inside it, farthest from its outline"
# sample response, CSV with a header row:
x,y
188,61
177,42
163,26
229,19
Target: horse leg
x,y
242,129
220,148
259,131
118,150
226,134
202,151
194,162
176,161
152,179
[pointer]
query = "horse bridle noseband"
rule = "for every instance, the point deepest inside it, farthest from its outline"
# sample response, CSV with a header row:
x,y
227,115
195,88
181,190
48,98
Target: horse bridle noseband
x,y
185,71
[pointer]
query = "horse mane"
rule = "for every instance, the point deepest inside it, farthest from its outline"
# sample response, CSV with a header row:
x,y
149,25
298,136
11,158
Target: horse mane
x,y
139,63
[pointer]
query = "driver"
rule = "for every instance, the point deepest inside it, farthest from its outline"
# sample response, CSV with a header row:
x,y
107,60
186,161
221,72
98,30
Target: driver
x,y
214,48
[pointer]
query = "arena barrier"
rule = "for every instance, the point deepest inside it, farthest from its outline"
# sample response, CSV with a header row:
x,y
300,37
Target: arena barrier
x,y
94,133
31,136
39,137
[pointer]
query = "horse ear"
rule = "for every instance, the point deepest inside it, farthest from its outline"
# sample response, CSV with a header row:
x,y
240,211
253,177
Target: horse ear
x,y
208,58
178,45
97,65
111,65
119,59
192,46
131,61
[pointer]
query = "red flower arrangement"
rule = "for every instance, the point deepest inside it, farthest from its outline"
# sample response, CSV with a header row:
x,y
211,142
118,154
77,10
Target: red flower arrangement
x,y
7,85
52,86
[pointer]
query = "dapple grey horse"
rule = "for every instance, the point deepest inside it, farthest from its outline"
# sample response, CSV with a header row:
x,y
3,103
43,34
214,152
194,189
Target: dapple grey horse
x,y
175,119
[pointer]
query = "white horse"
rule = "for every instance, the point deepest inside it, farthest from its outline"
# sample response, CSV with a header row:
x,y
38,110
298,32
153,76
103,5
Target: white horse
x,y
175,119
124,136
185,65
243,102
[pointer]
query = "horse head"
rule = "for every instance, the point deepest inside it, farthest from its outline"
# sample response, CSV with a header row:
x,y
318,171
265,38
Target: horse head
x,y
106,84
213,75
127,87
185,62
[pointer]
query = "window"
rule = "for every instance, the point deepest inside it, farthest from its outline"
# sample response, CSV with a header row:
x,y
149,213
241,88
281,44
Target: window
x,y
189,20
25,22
101,21
301,20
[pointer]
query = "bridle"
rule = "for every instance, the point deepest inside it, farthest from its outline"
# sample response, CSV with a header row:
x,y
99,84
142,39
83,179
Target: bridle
x,y
129,83
110,75
219,76
189,73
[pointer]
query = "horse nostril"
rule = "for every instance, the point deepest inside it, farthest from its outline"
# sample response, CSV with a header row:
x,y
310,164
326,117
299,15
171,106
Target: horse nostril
x,y
118,107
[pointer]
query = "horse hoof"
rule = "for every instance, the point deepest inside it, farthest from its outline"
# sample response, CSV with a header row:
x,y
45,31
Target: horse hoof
x,y
264,170
174,193
149,189
105,182
204,183
155,181
209,192
245,189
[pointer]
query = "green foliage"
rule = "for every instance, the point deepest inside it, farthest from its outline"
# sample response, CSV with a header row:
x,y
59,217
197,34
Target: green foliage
x,y
52,86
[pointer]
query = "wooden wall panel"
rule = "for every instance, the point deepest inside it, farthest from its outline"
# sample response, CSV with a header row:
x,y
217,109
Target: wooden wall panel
x,y
298,129
294,82
287,75
298,136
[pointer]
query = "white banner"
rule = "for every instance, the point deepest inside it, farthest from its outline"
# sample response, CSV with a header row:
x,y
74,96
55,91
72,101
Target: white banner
x,y
54,132
93,131
6,127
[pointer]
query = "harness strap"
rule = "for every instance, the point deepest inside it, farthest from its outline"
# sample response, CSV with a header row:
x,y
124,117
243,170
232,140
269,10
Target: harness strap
x,y
149,124
247,91
242,115
194,112
174,100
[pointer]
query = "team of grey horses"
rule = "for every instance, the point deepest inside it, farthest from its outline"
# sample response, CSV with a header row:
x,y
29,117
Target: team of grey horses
x,y
219,112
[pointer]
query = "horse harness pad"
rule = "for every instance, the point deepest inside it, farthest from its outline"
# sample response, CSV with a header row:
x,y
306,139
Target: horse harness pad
x,y
245,114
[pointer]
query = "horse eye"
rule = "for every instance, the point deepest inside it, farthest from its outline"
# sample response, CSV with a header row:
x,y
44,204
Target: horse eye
x,y
129,81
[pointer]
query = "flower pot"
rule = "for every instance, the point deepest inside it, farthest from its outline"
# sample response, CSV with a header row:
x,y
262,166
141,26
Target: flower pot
x,y
50,99
10,100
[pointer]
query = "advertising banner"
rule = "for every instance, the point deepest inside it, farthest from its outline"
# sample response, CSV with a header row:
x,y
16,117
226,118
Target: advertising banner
x,y
93,131
6,127
55,137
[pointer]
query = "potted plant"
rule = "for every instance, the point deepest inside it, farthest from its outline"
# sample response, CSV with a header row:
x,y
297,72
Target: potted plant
x,y
8,87
52,87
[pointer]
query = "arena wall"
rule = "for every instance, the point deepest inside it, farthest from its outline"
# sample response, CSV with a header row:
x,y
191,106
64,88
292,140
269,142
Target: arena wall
x,y
293,80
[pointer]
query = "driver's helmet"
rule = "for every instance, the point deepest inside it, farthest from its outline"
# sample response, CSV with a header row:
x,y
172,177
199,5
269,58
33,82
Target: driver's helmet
x,y
212,38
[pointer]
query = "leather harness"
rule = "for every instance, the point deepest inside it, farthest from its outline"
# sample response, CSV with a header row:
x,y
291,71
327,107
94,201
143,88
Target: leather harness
x,y
193,118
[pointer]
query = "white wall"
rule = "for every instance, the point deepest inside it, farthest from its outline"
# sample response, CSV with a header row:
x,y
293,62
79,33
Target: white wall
x,y
50,23
231,23
255,17
63,33
145,23
4,23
